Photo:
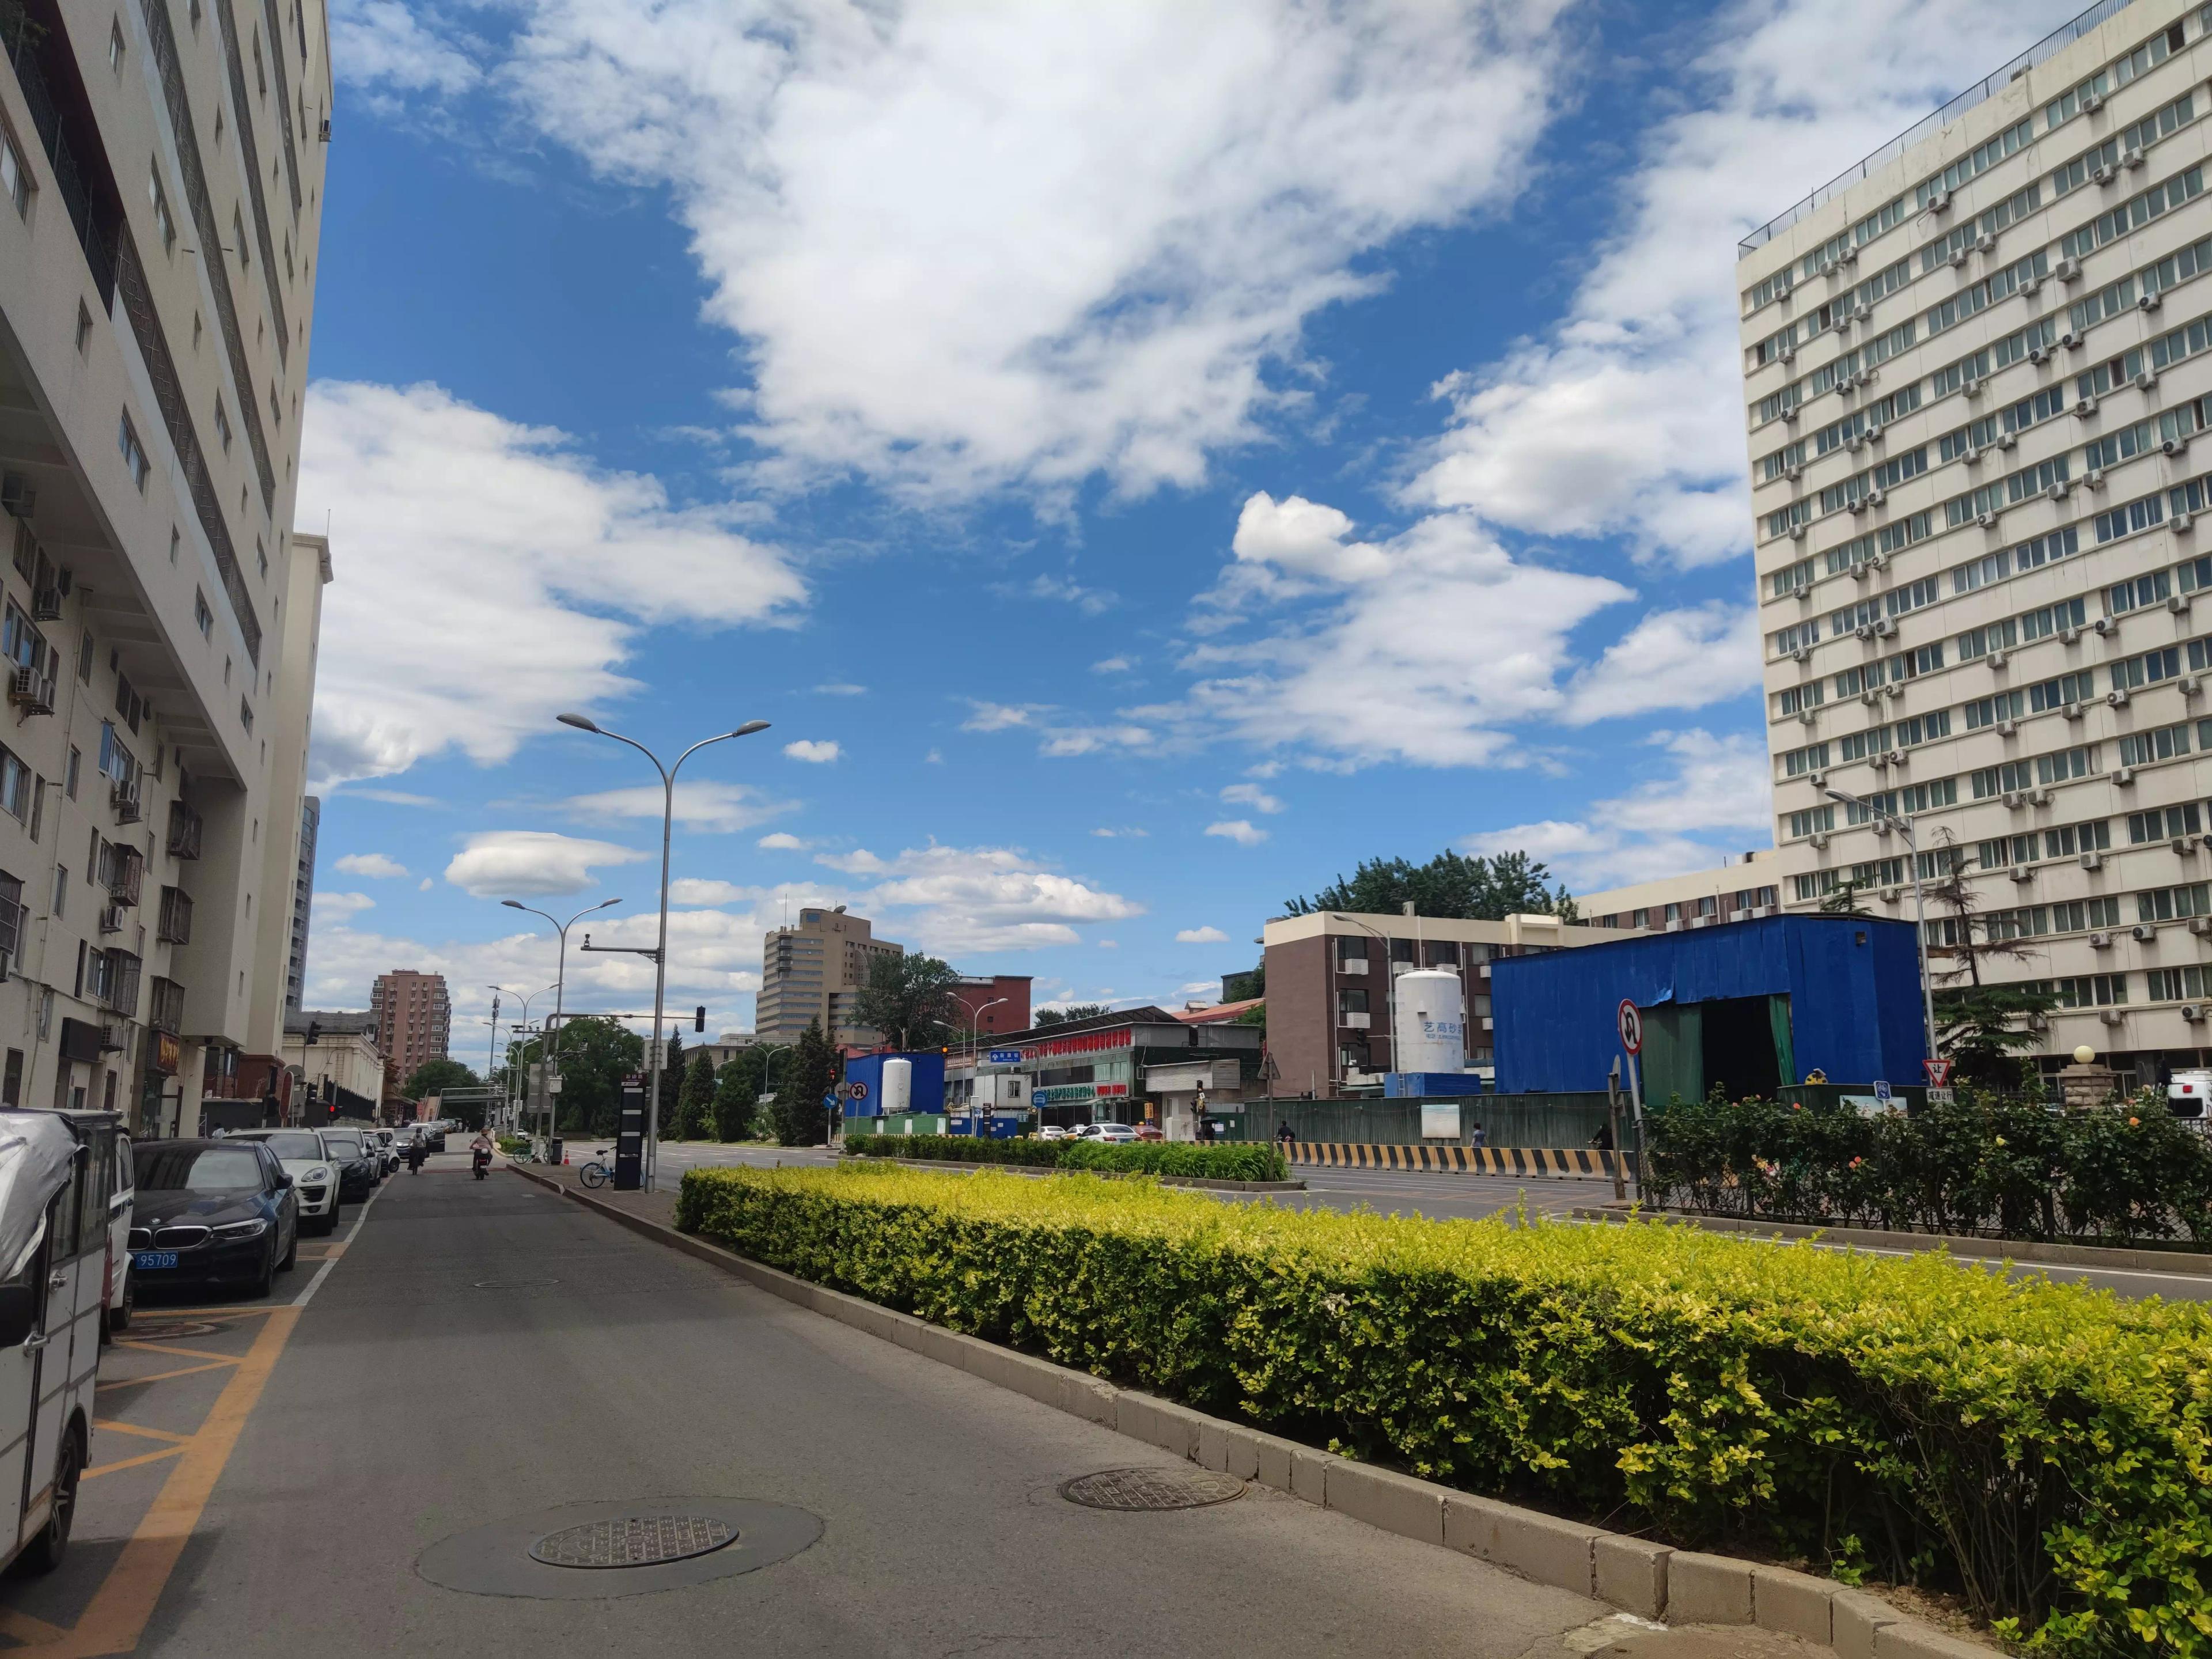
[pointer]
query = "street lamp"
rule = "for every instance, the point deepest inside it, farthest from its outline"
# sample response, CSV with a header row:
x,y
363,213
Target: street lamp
x,y
559,983
1903,825
520,1029
585,723
975,1043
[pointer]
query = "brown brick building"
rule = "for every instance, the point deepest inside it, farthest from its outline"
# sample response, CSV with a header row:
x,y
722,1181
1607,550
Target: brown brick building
x,y
414,1017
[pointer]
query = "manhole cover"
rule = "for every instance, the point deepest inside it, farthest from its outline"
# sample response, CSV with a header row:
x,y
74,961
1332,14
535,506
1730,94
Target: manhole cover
x,y
170,1331
513,1284
1151,1489
633,1540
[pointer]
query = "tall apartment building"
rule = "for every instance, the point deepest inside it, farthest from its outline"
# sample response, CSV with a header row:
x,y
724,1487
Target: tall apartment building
x,y
414,1017
303,902
815,971
1978,368
160,207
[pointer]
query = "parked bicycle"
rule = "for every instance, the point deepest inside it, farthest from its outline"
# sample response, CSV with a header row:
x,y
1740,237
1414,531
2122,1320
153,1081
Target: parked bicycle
x,y
599,1171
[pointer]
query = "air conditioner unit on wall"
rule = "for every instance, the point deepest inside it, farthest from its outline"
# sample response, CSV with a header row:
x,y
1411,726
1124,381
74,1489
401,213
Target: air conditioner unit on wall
x,y
2093,860
2192,1011
2123,774
2111,1016
2144,930
2066,269
2022,872
2006,727
2100,941
2116,699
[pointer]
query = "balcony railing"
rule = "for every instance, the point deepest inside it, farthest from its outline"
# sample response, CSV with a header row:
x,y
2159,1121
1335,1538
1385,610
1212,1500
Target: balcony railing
x,y
115,980
167,1012
32,691
125,873
175,927
23,40
125,799
184,831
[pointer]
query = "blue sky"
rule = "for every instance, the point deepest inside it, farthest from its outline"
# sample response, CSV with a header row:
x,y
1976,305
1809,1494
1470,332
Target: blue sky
x,y
1141,458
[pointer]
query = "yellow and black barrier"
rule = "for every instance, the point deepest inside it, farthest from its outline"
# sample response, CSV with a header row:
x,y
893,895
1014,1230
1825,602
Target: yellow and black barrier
x,y
1458,1160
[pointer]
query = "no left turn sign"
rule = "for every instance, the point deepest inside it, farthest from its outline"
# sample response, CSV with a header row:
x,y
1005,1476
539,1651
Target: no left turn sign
x,y
1631,1027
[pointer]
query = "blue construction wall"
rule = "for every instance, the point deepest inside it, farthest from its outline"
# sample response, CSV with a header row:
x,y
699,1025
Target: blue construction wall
x,y
928,1082
1853,984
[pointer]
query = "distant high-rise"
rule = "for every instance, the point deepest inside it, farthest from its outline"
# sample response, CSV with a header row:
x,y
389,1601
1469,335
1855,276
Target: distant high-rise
x,y
303,900
815,971
414,1017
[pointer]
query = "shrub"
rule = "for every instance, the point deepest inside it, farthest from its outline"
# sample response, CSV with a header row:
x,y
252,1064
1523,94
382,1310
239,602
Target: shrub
x,y
1223,1161
1980,1164
2045,1450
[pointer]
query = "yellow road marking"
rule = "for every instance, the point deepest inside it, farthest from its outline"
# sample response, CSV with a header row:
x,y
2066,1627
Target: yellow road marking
x,y
131,1462
179,1353
163,1377
114,1427
24,1628
126,1598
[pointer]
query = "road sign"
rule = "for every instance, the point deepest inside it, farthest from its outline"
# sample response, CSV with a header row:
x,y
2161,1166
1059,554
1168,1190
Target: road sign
x,y
1631,1027
860,1088
1939,1073
844,1092
1882,1096
1004,1056
1941,1097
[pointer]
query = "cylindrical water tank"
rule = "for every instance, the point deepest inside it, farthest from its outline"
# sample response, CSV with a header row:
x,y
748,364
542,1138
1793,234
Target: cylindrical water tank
x,y
898,1087
1430,1032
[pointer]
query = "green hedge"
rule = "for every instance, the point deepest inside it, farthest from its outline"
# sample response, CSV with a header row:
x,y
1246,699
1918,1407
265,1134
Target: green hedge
x,y
2044,1449
2015,1168
1228,1161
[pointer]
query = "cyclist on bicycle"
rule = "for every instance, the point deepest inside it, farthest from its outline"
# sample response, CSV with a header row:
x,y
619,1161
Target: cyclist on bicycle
x,y
418,1149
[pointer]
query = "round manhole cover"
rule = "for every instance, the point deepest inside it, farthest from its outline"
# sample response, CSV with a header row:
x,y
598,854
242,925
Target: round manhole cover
x,y
513,1284
167,1331
633,1540
1151,1489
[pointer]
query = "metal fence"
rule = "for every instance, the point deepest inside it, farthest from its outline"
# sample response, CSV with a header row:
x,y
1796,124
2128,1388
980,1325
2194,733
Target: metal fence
x,y
2049,46
1554,1121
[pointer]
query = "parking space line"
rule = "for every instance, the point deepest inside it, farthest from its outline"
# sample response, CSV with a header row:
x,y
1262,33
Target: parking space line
x,y
109,1425
36,1632
175,1352
164,1377
121,1463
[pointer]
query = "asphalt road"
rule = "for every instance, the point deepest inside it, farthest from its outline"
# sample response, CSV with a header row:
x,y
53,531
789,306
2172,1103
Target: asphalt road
x,y
480,1353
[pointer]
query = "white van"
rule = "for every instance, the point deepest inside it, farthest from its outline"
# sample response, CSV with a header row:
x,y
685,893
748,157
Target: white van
x,y
58,1177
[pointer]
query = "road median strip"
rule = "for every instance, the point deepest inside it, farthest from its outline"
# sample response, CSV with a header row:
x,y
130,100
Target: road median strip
x,y
1562,1162
1635,1575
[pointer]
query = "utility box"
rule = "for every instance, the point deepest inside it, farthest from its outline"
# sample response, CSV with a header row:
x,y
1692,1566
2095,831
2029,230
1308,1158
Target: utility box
x,y
924,1096
1421,1085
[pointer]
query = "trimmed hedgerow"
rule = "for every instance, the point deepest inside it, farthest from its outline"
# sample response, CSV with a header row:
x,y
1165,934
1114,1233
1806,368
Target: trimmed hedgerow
x,y
1223,1161
2044,1449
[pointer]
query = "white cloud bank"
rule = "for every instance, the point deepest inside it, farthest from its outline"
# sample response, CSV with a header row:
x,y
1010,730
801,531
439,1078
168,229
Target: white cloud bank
x,y
1201,936
525,863
370,864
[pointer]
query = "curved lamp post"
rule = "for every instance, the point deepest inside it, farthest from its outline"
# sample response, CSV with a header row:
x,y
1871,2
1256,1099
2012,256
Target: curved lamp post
x,y
559,982
586,723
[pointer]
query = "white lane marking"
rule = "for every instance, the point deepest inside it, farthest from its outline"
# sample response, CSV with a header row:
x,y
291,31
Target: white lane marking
x,y
324,1271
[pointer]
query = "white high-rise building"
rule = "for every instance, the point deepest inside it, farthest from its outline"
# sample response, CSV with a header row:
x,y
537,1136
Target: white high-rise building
x,y
1977,370
160,201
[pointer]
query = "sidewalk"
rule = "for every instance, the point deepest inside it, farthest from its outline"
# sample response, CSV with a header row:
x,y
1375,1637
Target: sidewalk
x,y
660,1207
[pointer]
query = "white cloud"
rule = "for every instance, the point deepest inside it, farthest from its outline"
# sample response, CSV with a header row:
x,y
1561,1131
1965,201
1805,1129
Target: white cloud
x,y
814,753
1627,417
982,898
1133,832
370,864
1202,936
1112,666
972,246
528,572
1671,660
520,863
996,717
1090,601
1239,830
392,797
1057,735
381,45
335,907
840,689
424,885
1715,797
707,805
781,842
1251,795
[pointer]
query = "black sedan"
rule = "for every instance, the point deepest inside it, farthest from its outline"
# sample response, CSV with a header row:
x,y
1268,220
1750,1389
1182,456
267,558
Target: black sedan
x,y
212,1213
359,1169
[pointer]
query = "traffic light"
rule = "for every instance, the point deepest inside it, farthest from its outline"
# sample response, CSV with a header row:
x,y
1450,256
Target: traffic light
x,y
699,1018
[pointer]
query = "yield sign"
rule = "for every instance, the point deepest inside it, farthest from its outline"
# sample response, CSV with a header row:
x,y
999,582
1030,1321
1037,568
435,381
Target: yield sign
x,y
1939,1073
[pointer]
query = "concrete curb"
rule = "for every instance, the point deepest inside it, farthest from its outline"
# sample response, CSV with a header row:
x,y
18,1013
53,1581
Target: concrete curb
x,y
1636,1574
2184,1263
1206,1182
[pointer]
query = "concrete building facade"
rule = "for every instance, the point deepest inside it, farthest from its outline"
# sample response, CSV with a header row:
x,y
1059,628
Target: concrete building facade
x,y
1329,987
335,1061
1745,888
160,217
303,903
991,1003
1978,369
815,971
414,1018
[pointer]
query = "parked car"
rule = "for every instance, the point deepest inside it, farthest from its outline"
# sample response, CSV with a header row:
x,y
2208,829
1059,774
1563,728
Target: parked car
x,y
358,1170
1149,1131
1119,1133
212,1212
314,1171
1054,1132
436,1134
58,1180
2190,1094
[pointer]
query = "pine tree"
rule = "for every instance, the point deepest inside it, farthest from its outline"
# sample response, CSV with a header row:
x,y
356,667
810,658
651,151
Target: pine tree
x,y
672,1087
798,1115
735,1089
695,1103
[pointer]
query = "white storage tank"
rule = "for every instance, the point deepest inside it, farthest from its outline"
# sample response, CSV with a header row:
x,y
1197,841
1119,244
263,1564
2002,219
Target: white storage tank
x,y
1429,1027
898,1087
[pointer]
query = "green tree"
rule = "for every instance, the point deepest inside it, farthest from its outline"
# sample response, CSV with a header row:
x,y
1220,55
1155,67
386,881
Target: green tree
x,y
798,1114
908,997
1986,1029
1844,901
672,1087
695,1103
736,1089
437,1076
596,1054
1256,1015
1073,1012
1450,886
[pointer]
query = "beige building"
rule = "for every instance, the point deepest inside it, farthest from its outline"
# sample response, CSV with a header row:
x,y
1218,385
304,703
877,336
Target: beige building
x,y
334,1060
1976,377
157,288
1742,889
414,1017
815,971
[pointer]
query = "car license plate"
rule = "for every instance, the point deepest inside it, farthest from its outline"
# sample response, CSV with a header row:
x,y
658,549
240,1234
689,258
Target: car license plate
x,y
145,1258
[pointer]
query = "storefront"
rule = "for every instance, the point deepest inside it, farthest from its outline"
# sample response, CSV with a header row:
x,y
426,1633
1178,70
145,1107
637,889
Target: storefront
x,y
1100,1069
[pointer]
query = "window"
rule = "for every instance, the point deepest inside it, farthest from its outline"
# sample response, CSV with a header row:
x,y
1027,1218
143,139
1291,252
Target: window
x,y
15,790
2046,695
61,891
2174,984
115,47
2137,593
2163,825
1817,820
2160,742
76,763
203,618
2149,669
246,714
237,238
261,557
223,423
162,220
14,177
2173,903
2088,990
134,453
